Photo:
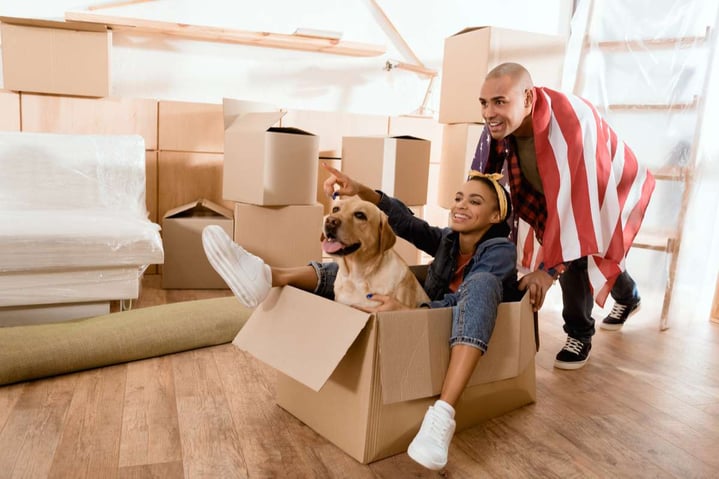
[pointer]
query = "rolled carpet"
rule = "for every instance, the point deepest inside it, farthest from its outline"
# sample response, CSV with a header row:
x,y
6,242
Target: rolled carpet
x,y
40,350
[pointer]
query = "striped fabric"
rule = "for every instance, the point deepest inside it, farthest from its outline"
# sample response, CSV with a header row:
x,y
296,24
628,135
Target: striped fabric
x,y
596,193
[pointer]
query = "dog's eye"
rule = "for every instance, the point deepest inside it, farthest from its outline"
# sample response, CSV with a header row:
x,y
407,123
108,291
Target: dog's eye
x,y
360,216
335,209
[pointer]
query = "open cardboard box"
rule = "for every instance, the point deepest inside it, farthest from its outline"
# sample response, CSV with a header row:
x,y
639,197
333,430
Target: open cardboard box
x,y
364,381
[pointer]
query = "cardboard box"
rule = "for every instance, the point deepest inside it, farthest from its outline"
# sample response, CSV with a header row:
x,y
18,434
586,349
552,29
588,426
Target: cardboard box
x,y
186,126
399,166
266,165
186,266
419,127
472,52
331,126
366,381
9,111
281,235
90,116
66,58
459,142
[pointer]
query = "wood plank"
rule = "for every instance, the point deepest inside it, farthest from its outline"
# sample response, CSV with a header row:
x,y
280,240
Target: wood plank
x,y
230,35
187,126
90,442
150,431
168,470
9,396
185,177
34,426
97,116
211,443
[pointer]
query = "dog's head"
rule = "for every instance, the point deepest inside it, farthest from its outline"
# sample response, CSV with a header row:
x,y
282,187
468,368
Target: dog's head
x,y
358,228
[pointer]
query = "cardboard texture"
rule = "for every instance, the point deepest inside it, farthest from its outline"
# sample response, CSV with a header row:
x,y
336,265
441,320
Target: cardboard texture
x,y
367,393
283,236
330,127
266,165
186,126
92,116
459,142
65,58
399,166
472,52
186,265
9,111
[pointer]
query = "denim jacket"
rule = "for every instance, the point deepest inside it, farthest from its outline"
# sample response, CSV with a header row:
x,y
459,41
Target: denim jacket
x,y
497,255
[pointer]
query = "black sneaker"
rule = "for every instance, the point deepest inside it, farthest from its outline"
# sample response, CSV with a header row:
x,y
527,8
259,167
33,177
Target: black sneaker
x,y
573,355
619,314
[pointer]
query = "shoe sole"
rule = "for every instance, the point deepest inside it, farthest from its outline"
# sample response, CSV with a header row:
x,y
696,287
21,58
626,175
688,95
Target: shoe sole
x,y
568,366
215,242
416,456
618,326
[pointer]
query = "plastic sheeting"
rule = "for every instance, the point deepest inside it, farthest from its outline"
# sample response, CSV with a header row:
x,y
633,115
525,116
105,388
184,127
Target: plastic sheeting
x,y
70,204
649,68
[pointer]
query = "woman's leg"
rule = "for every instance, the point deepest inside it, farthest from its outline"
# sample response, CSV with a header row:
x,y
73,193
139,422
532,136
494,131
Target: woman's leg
x,y
473,320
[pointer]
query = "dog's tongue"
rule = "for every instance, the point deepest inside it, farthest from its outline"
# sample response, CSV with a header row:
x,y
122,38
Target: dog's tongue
x,y
331,246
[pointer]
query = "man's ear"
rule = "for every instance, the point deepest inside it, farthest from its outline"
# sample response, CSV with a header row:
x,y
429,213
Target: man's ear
x,y
528,97
387,238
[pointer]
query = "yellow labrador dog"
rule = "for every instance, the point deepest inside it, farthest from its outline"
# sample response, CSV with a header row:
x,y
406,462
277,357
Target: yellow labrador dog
x,y
357,235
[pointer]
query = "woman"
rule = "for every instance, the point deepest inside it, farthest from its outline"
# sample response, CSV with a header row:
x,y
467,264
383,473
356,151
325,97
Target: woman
x,y
474,269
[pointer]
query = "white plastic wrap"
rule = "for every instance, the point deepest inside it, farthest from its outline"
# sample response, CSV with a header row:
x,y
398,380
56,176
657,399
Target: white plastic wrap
x,y
649,68
70,202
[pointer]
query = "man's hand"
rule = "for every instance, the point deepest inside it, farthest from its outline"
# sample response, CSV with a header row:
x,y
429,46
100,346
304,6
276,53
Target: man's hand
x,y
538,283
386,303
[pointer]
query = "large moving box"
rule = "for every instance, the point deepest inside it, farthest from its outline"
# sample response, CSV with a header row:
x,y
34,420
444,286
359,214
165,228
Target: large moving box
x,y
364,381
266,165
66,58
283,236
459,143
399,166
472,52
186,265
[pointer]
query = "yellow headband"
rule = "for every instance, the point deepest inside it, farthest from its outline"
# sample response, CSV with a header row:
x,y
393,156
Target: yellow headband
x,y
501,194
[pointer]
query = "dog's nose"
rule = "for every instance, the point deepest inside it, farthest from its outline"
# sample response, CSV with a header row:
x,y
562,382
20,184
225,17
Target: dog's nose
x,y
332,221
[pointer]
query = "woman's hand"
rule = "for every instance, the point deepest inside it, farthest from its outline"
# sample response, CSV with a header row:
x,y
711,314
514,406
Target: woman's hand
x,y
538,283
386,303
346,186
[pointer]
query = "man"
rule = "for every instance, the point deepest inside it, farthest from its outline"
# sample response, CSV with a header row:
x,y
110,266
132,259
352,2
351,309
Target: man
x,y
578,187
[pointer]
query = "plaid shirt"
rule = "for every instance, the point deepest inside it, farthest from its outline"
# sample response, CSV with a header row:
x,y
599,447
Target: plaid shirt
x,y
527,203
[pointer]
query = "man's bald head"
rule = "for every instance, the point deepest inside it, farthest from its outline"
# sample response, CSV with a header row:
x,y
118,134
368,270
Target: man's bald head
x,y
519,75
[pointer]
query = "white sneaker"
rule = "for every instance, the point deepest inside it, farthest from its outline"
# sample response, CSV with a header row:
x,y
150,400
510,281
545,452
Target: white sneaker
x,y
431,444
249,278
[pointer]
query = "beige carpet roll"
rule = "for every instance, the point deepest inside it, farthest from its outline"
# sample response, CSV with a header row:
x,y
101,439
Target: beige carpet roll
x,y
40,350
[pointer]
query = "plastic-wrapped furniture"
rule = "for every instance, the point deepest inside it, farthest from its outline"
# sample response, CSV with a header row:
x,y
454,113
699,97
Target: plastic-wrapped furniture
x,y
74,228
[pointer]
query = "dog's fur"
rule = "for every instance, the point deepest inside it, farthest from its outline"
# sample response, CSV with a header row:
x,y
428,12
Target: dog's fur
x,y
358,236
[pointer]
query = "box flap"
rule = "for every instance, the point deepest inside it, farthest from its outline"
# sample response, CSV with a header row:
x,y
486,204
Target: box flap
x,y
469,29
62,24
202,206
301,334
408,137
233,109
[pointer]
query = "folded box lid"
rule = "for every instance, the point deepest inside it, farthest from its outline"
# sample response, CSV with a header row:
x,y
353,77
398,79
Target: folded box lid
x,y
62,24
300,334
201,207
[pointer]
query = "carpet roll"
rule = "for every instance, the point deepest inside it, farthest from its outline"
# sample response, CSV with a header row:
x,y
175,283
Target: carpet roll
x,y
41,350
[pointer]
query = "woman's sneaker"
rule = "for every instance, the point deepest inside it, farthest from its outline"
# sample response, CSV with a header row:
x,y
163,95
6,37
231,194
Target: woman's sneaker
x,y
619,314
573,355
430,446
249,278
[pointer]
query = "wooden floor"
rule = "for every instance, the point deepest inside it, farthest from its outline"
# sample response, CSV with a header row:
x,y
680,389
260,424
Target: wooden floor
x,y
646,405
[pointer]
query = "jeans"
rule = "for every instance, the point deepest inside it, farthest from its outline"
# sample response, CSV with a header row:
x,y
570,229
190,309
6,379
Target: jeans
x,y
578,300
474,306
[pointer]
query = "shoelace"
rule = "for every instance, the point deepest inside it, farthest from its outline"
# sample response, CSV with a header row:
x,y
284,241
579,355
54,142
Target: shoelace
x,y
439,426
573,345
617,311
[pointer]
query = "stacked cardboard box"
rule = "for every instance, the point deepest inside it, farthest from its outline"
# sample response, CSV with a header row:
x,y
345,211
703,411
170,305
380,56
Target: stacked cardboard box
x,y
468,57
270,174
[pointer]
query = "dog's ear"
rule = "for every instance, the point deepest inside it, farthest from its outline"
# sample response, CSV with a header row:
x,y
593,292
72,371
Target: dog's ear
x,y
387,238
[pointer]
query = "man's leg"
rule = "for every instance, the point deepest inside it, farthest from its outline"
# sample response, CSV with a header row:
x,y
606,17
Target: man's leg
x,y
626,302
577,313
